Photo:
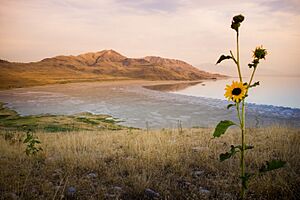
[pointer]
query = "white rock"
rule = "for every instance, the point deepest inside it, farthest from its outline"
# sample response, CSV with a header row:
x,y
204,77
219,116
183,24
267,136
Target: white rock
x,y
151,193
203,190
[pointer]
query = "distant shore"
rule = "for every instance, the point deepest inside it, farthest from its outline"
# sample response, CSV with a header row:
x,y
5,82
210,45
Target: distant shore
x,y
106,82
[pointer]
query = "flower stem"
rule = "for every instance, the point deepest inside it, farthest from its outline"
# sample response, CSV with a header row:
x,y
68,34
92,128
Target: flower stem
x,y
242,122
238,56
243,150
238,113
252,75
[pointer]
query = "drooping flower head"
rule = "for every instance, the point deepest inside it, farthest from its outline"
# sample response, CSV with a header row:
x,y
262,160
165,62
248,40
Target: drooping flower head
x,y
238,18
236,91
236,22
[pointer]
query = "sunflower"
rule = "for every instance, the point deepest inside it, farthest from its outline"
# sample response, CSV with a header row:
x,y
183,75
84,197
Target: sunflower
x,y
236,91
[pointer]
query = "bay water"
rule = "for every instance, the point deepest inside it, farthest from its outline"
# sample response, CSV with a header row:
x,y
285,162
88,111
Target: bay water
x,y
275,90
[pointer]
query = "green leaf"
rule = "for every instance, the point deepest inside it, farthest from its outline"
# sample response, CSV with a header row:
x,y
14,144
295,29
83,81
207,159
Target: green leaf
x,y
246,147
227,155
223,57
27,139
245,179
272,165
249,147
233,151
230,105
37,142
254,84
254,63
250,65
222,127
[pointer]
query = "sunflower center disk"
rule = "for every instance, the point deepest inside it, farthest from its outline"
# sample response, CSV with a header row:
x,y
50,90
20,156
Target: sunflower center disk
x,y
236,91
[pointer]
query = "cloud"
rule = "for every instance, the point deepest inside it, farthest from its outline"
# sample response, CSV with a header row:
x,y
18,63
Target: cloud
x,y
151,5
282,5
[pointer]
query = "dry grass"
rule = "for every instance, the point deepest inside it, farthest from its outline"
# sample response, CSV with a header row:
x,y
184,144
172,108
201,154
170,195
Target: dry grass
x,y
165,161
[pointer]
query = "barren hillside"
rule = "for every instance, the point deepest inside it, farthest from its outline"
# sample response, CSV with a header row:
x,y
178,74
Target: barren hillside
x,y
102,65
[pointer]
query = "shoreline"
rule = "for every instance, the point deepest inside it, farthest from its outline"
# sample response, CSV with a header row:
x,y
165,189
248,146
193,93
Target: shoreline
x,y
106,82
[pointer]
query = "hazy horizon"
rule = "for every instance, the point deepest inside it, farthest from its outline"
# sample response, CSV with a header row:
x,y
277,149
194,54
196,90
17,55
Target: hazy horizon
x,y
194,31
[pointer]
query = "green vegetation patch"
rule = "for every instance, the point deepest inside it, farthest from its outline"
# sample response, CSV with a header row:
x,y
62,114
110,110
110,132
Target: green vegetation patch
x,y
58,128
11,120
86,120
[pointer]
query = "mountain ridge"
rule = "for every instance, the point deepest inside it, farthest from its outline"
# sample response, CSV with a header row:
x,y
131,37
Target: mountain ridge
x,y
97,66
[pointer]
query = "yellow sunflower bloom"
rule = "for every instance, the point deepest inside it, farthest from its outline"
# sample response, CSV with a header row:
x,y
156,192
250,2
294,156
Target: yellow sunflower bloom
x,y
236,91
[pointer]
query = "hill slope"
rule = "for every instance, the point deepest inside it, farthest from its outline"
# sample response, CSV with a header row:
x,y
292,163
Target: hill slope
x,y
102,65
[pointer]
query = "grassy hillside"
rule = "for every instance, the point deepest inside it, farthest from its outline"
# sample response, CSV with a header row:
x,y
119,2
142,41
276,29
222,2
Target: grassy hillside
x,y
99,66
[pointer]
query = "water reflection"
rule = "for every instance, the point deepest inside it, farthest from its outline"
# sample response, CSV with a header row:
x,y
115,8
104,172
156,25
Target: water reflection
x,y
277,91
172,87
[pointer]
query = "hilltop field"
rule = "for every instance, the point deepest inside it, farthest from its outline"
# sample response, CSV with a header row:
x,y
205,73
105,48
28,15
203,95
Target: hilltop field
x,y
91,157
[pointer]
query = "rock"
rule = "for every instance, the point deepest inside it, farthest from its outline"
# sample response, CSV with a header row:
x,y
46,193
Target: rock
x,y
71,193
118,189
183,184
92,175
203,190
151,193
197,173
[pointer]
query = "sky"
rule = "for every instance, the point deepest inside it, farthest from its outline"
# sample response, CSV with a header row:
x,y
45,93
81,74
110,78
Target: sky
x,y
196,31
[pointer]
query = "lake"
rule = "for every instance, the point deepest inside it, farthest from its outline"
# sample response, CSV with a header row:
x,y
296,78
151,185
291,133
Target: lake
x,y
277,91
136,105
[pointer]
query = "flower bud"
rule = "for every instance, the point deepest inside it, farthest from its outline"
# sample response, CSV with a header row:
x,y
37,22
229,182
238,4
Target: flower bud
x,y
260,53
